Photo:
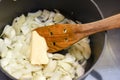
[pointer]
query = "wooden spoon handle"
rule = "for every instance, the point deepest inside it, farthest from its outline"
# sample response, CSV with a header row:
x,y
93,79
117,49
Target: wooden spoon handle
x,y
101,25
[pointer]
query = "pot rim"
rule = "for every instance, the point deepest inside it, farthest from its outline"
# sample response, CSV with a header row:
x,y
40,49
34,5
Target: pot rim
x,y
102,17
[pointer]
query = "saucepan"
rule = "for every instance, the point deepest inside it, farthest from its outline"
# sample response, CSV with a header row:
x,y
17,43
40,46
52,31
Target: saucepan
x,y
81,10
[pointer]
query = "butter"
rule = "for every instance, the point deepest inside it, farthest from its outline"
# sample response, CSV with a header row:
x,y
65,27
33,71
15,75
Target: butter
x,y
38,50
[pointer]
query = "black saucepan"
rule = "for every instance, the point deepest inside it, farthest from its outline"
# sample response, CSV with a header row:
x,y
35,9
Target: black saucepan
x,y
82,10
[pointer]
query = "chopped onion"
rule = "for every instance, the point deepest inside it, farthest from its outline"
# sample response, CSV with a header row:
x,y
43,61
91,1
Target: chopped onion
x,y
15,48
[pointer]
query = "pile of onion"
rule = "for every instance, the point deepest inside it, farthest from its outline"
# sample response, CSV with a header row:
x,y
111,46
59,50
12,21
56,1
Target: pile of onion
x,y
15,50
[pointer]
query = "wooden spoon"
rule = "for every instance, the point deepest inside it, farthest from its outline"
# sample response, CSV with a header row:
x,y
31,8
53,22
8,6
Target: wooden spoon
x,y
61,36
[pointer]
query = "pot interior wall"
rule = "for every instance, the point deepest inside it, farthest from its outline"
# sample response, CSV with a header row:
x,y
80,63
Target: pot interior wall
x,y
82,10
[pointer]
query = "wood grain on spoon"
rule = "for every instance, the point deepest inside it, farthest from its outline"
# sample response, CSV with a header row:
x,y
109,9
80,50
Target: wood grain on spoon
x,y
61,36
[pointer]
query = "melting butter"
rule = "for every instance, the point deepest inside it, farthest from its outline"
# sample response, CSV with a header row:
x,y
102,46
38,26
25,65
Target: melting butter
x,y
38,50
